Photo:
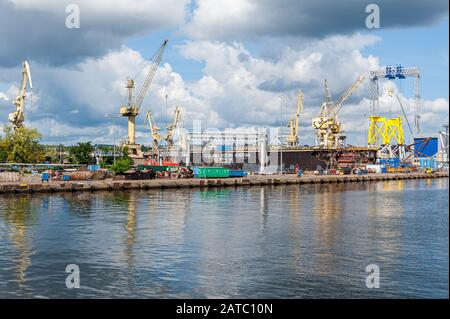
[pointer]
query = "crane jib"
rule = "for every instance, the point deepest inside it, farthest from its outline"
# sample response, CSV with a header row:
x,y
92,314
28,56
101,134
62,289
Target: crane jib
x,y
156,61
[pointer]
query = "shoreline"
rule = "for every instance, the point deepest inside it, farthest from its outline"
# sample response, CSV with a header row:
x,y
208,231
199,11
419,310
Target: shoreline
x,y
253,180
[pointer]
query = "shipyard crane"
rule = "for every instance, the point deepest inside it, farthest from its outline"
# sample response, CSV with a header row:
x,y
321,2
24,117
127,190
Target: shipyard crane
x,y
18,117
154,130
292,139
327,125
131,110
168,137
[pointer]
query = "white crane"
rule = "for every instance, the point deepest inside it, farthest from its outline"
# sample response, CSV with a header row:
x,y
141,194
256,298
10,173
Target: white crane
x,y
18,117
293,124
327,125
171,128
131,110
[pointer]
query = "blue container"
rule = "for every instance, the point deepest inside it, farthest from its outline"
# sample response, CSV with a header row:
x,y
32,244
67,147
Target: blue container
x,y
237,173
391,162
299,173
428,162
426,149
45,176
93,167
363,172
66,177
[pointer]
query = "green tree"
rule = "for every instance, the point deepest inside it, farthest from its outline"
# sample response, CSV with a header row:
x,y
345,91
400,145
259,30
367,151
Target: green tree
x,y
82,152
123,163
21,145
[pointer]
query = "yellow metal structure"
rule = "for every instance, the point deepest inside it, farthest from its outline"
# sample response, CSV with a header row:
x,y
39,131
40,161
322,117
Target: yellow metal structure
x,y
376,134
131,110
18,117
327,125
384,131
394,131
154,130
292,139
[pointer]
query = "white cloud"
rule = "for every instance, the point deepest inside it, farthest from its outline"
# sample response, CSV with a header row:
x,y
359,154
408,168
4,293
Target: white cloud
x,y
250,86
236,89
4,97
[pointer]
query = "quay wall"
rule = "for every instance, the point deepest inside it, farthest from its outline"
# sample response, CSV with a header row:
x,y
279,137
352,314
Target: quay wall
x,y
254,180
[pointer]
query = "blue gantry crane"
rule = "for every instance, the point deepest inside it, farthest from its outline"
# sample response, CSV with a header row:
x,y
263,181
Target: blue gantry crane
x,y
392,72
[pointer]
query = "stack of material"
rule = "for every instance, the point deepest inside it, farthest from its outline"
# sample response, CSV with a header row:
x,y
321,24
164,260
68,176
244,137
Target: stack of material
x,y
9,177
80,175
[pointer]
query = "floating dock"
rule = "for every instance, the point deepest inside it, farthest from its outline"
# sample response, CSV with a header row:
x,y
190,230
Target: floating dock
x,y
253,180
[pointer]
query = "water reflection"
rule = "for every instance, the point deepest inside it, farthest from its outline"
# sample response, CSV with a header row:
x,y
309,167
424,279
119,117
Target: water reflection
x,y
273,241
18,216
327,214
131,228
263,206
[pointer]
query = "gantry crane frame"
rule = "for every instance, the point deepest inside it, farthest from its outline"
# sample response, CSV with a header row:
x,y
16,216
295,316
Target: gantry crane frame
x,y
392,72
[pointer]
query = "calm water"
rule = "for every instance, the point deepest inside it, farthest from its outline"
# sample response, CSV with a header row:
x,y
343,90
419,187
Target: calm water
x,y
309,241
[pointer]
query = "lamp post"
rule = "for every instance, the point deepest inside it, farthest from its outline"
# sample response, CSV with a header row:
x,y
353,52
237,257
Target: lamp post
x,y
114,133
281,134
166,108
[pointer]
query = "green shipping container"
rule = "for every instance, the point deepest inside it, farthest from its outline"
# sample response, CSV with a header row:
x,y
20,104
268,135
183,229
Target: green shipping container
x,y
155,168
213,172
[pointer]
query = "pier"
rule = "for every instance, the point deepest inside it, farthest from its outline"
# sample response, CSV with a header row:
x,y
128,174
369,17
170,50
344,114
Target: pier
x,y
252,180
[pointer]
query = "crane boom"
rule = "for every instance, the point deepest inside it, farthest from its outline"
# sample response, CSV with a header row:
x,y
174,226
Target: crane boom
x,y
344,97
156,61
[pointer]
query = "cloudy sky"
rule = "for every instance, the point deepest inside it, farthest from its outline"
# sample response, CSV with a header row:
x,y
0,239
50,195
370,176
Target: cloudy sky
x,y
227,64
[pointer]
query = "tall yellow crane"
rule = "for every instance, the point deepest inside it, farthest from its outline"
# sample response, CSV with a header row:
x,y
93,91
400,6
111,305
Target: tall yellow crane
x,y
18,117
131,110
292,139
327,125
168,137
154,130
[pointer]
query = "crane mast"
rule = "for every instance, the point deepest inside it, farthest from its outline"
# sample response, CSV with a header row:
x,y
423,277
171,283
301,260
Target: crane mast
x,y
18,117
293,124
131,110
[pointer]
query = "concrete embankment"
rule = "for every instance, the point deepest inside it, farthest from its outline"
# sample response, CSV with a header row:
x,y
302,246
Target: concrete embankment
x,y
110,185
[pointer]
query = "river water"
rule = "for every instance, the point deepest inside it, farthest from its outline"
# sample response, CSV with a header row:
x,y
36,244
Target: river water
x,y
296,241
